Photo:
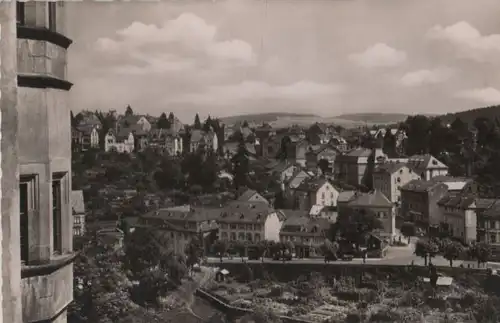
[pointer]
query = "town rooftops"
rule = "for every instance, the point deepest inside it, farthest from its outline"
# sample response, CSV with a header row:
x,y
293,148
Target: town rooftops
x,y
359,152
247,212
247,195
418,185
457,201
389,168
184,214
453,183
305,225
372,199
426,161
77,202
493,212
346,196
311,185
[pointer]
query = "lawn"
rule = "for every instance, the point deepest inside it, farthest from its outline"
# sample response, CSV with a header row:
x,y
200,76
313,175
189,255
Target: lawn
x,y
370,299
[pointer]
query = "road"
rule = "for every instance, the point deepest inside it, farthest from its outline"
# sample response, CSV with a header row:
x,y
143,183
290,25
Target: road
x,y
396,256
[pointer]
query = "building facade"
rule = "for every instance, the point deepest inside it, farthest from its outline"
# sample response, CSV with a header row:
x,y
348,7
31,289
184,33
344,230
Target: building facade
x,y
123,142
37,224
419,200
78,207
389,177
315,192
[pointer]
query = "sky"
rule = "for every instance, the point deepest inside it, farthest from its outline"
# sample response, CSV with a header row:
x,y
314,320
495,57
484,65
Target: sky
x,y
325,57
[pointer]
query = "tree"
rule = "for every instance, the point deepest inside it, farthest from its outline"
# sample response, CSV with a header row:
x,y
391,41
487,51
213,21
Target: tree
x,y
355,227
210,171
169,175
101,285
163,122
260,315
482,252
129,111
408,229
208,124
389,143
426,249
194,252
197,122
324,166
241,166
452,251
417,130
221,247
245,124
72,119
329,249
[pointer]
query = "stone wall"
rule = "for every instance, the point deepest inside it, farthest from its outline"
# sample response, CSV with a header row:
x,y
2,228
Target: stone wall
x,y
285,272
233,312
41,58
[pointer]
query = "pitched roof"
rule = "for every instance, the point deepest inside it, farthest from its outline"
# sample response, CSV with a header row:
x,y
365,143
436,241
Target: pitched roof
x,y
250,212
389,168
298,179
247,195
312,185
359,152
424,162
346,196
86,128
493,212
372,199
77,202
305,225
420,185
457,201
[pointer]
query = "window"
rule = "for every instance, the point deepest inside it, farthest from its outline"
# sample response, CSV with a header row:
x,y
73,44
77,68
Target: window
x,y
20,17
56,216
24,221
52,16
493,238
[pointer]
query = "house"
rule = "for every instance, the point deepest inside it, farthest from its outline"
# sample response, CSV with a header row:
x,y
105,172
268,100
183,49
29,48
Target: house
x,y
457,185
488,224
78,208
249,221
353,167
296,148
324,152
183,223
427,166
111,236
174,144
268,147
252,196
315,192
282,170
36,252
136,122
458,217
340,143
201,139
419,200
389,177
85,137
231,148
122,142
305,232
377,204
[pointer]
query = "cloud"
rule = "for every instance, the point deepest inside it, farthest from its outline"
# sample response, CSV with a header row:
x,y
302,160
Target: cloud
x,y
423,77
468,40
186,38
379,55
485,95
255,90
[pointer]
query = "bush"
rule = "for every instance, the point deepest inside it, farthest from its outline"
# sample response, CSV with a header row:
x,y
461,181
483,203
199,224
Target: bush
x,y
387,315
354,318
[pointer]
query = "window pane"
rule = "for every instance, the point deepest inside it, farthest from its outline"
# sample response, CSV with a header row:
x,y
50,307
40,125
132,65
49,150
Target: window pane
x,y
23,216
56,216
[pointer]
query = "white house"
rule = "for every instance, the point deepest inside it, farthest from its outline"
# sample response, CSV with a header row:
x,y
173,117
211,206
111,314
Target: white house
x,y
458,213
200,138
174,145
427,166
389,177
249,221
315,192
122,143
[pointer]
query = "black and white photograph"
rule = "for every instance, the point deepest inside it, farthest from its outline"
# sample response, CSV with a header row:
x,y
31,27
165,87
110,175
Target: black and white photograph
x,y
250,161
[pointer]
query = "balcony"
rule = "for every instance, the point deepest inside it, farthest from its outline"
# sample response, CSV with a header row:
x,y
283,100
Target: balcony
x,y
47,289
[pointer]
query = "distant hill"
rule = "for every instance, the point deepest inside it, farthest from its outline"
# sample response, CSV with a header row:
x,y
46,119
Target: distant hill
x,y
470,115
374,118
264,117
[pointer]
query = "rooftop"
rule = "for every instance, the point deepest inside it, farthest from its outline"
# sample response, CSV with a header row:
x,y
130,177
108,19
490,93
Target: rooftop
x,y
372,199
419,185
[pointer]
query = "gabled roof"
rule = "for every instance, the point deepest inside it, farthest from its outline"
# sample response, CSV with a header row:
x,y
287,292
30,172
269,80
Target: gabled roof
x,y
312,185
247,195
346,196
420,185
372,199
425,162
247,212
359,152
86,128
493,212
297,179
304,225
389,168
77,202
457,201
